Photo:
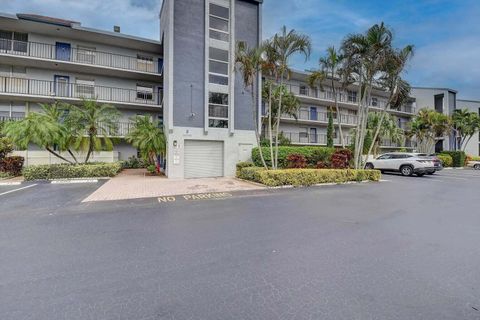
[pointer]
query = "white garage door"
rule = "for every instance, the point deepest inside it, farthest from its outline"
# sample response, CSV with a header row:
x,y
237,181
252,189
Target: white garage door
x,y
203,159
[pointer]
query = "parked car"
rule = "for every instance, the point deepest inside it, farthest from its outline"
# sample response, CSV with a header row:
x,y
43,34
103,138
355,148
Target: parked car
x,y
405,163
436,162
474,164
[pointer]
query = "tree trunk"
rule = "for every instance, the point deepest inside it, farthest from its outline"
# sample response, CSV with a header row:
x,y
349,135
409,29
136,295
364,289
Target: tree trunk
x,y
379,125
73,156
339,116
257,130
279,115
58,155
90,149
270,123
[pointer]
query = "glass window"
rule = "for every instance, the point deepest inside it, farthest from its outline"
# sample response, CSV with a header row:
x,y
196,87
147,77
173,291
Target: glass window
x,y
218,98
144,92
219,11
85,88
145,63
216,111
374,102
218,54
217,35
215,123
221,80
352,96
219,24
218,67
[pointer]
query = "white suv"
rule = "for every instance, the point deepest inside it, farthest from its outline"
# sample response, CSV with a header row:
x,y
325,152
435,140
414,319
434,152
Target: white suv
x,y
405,163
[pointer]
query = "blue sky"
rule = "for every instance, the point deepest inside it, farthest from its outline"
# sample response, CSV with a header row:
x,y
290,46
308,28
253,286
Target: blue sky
x,y
446,33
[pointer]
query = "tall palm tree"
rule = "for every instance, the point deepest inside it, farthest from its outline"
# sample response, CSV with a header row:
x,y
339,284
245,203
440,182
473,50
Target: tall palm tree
x,y
287,44
148,137
388,130
330,65
365,58
249,62
391,81
93,124
37,128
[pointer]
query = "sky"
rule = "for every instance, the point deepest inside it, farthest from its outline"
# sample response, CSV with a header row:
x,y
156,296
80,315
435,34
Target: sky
x,y
445,33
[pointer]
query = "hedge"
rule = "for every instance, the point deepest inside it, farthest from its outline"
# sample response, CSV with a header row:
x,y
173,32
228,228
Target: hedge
x,y
306,177
458,157
312,154
67,171
446,159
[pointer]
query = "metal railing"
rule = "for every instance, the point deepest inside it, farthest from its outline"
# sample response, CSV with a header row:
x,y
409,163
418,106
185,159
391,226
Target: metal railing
x,y
59,90
343,97
387,143
315,139
82,55
322,117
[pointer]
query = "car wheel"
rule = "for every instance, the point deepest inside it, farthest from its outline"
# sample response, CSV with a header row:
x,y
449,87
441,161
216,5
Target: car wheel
x,y
369,166
476,167
406,170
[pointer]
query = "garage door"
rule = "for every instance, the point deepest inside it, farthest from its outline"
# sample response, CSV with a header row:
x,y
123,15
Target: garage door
x,y
203,159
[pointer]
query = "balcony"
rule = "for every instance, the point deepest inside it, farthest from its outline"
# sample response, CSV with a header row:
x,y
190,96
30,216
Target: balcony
x,y
344,97
22,87
314,139
121,130
84,56
307,115
387,143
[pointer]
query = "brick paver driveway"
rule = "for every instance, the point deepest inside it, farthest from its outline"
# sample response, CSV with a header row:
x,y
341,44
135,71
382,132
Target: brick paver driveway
x,y
135,184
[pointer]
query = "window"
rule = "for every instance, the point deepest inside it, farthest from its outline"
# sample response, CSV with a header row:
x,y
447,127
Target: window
x,y
221,80
85,88
144,92
218,67
351,96
374,102
218,110
145,63
303,90
15,41
86,54
219,23
218,54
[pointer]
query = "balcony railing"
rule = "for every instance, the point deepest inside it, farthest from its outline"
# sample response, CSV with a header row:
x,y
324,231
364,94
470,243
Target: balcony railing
x,y
83,55
322,117
387,143
343,97
62,90
315,139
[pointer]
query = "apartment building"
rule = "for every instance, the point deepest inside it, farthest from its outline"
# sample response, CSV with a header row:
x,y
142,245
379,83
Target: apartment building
x,y
44,59
309,125
473,146
208,114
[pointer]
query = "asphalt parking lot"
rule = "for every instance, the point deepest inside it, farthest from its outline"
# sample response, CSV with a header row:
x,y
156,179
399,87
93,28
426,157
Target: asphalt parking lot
x,y
404,248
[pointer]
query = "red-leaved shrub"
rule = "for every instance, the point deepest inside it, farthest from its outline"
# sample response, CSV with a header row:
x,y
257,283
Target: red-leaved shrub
x,y
341,159
12,165
296,160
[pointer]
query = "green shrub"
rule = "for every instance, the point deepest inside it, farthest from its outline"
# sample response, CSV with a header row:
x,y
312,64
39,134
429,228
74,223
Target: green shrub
x,y
67,171
307,177
458,157
152,169
6,146
310,153
475,158
446,159
134,163
4,175
245,164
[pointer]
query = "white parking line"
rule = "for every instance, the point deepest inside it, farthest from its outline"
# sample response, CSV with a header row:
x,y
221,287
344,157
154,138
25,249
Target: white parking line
x,y
18,189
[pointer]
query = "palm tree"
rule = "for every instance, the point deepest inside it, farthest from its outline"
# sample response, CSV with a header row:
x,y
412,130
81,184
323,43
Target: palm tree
x,y
329,69
388,130
286,45
466,124
249,61
427,127
148,137
93,125
365,57
38,128
392,82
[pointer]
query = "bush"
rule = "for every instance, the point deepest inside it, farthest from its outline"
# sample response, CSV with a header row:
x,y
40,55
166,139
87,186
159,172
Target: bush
x,y
341,158
296,160
446,160
310,153
307,177
152,169
4,175
134,163
68,171
6,146
458,157
242,165
12,165
475,158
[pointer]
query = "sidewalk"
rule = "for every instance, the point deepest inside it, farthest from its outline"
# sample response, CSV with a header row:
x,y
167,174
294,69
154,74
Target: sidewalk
x,y
135,184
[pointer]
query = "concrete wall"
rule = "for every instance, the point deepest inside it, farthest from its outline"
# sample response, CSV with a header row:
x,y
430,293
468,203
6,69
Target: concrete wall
x,y
473,147
37,157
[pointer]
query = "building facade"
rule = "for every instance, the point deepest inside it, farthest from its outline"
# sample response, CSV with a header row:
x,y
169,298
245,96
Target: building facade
x,y
309,125
473,146
45,59
208,114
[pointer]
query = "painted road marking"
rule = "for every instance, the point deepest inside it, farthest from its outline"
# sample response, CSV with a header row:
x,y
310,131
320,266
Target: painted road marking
x,y
18,189
199,196
74,181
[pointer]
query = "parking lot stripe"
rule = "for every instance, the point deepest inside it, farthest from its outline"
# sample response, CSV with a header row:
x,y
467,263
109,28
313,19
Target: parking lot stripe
x,y
18,189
